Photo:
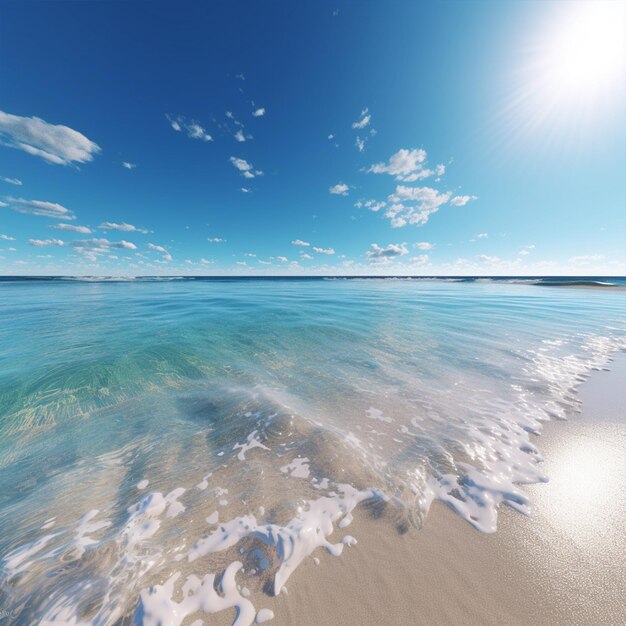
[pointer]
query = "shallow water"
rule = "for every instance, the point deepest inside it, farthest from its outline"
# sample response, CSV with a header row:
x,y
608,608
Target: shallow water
x,y
156,433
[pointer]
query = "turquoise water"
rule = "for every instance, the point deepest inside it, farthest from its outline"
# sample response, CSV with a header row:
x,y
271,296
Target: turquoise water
x,y
255,400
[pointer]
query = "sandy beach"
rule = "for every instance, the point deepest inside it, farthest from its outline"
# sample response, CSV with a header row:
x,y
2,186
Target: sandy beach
x,y
564,564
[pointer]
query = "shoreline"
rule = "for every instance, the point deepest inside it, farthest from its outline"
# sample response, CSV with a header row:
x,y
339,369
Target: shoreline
x,y
563,564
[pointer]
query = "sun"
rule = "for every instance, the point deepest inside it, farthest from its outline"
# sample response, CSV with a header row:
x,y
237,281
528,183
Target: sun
x,y
571,77
584,55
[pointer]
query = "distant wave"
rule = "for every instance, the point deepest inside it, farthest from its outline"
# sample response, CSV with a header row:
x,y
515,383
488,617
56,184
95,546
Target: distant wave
x,y
549,281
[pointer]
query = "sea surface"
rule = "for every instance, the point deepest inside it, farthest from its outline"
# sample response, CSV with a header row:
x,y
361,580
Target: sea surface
x,y
171,448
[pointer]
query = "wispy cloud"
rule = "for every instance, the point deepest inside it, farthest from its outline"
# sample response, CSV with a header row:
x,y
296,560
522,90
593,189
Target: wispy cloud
x,y
488,259
215,240
84,230
586,259
11,181
364,120
419,260
423,245
299,242
166,255
372,205
323,250
340,189
94,243
7,238
462,200
90,248
129,166
124,227
40,243
192,128
40,208
258,112
54,143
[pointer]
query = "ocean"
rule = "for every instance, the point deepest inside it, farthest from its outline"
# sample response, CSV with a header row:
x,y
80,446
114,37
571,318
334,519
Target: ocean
x,y
159,435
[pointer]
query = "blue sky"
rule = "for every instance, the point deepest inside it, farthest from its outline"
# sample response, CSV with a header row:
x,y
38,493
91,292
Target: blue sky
x,y
390,138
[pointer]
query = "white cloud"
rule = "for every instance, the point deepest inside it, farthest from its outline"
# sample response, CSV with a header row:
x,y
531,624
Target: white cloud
x,y
245,190
323,250
305,256
378,254
331,137
215,240
129,166
299,242
52,142
206,261
364,120
90,248
282,259
40,243
427,201
407,166
74,229
241,164
360,144
193,129
340,189
124,227
247,170
423,245
480,235
401,164
239,136
7,238
372,205
462,200
11,181
259,112
40,208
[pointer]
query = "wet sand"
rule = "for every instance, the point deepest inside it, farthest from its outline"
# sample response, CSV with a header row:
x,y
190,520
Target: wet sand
x,y
564,564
